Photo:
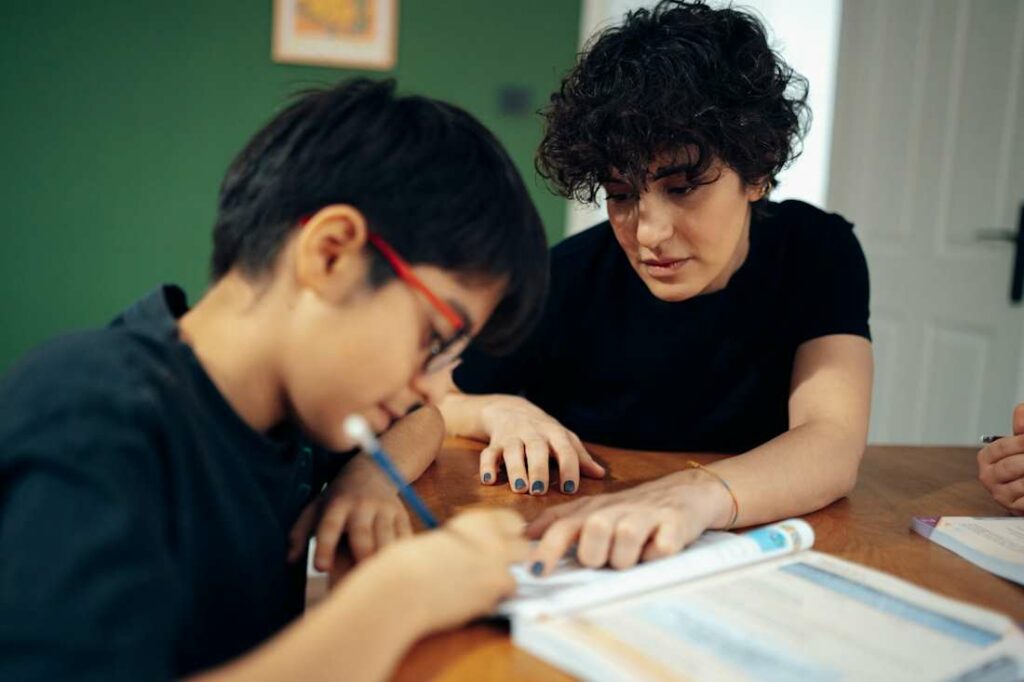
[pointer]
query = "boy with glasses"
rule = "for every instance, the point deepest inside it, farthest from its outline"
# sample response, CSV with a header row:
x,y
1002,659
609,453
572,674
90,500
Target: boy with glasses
x,y
152,470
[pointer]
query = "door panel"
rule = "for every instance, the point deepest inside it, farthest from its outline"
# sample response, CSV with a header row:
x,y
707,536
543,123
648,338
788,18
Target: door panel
x,y
928,149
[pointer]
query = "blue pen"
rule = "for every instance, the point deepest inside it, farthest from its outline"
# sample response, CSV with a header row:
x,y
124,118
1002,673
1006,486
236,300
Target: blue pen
x,y
359,431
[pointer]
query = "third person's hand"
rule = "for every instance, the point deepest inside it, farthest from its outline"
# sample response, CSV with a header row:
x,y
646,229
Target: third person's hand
x,y
1001,466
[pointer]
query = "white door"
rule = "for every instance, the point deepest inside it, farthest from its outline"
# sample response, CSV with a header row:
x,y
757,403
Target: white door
x,y
928,152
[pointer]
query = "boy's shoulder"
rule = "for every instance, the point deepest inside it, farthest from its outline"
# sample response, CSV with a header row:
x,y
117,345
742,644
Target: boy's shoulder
x,y
110,375
93,357
95,402
135,348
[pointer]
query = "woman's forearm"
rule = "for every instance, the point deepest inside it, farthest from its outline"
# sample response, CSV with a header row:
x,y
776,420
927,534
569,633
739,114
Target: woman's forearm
x,y
804,469
816,461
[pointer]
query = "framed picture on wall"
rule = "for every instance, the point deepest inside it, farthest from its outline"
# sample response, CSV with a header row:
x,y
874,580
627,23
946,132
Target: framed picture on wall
x,y
349,33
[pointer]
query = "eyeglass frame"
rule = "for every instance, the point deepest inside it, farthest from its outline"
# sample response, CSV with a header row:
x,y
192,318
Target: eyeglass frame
x,y
439,354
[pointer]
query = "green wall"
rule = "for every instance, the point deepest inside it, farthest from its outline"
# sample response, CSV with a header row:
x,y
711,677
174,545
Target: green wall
x,y
119,119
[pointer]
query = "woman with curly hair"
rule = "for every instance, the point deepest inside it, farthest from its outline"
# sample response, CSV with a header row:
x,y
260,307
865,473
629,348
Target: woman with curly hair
x,y
700,317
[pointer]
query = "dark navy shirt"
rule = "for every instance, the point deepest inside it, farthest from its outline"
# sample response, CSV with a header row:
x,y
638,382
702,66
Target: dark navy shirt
x,y
712,373
143,524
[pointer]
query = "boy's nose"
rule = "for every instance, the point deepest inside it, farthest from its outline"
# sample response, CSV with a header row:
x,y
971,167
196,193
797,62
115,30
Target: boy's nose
x,y
431,388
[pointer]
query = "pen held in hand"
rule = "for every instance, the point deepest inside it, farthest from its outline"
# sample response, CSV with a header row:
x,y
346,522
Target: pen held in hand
x,y
359,431
990,439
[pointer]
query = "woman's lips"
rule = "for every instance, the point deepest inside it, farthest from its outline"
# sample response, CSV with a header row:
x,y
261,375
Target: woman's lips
x,y
664,268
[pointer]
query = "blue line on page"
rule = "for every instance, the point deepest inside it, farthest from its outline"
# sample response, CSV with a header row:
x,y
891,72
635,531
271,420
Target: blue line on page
x,y
893,605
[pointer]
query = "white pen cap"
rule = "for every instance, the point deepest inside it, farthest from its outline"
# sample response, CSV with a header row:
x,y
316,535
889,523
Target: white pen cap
x,y
359,431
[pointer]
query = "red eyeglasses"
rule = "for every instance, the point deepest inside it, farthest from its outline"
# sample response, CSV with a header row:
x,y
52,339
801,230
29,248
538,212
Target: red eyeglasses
x,y
442,352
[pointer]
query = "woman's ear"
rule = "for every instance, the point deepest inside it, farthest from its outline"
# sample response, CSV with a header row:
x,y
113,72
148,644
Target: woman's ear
x,y
329,256
758,190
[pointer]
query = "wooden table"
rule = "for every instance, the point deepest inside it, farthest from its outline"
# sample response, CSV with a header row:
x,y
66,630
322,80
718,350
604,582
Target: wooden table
x,y
872,527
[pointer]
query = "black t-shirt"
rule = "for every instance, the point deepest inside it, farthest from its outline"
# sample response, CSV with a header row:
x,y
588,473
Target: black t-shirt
x,y
623,368
143,524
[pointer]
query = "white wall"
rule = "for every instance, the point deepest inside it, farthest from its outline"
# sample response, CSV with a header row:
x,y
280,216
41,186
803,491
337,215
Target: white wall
x,y
806,33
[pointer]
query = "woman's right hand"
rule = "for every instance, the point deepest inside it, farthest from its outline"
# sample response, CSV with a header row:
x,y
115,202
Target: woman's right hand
x,y
459,571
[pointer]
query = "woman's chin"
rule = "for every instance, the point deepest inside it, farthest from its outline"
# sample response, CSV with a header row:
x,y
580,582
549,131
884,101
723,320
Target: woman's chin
x,y
672,291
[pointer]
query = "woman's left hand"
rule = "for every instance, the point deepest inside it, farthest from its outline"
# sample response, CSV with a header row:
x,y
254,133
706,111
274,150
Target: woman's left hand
x,y
650,521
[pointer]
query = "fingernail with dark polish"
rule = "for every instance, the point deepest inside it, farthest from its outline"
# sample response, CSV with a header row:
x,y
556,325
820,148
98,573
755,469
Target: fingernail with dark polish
x,y
537,568
487,477
520,484
538,487
568,486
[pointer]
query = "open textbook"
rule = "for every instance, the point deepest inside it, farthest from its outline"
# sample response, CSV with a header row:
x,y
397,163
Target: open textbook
x,y
994,543
756,606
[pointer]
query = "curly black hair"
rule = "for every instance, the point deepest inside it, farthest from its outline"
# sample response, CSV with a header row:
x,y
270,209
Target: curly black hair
x,y
683,79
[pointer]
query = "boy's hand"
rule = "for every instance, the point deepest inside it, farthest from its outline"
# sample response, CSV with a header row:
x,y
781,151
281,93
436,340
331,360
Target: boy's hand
x,y
1001,466
360,503
526,438
459,571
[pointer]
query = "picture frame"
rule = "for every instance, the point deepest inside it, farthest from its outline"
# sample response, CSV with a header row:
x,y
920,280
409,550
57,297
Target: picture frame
x,y
339,33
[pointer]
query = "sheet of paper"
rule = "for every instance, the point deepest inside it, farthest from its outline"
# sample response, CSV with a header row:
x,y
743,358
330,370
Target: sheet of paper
x,y
804,617
993,543
572,586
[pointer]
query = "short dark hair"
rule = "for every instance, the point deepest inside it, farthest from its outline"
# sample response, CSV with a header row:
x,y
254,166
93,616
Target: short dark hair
x,y
679,76
430,179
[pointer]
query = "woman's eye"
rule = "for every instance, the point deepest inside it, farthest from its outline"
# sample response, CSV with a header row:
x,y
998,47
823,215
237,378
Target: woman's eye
x,y
682,191
619,197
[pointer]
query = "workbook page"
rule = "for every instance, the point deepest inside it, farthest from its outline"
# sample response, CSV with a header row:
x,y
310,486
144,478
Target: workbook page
x,y
807,617
572,586
993,543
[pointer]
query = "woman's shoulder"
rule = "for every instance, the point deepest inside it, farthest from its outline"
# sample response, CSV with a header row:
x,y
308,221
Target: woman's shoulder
x,y
799,229
586,259
583,247
799,216
825,282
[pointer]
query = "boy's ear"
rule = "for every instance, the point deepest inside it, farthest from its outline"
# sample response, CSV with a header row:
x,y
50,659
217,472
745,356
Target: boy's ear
x,y
329,252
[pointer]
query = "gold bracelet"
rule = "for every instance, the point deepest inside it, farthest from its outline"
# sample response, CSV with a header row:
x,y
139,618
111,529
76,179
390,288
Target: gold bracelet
x,y
728,488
